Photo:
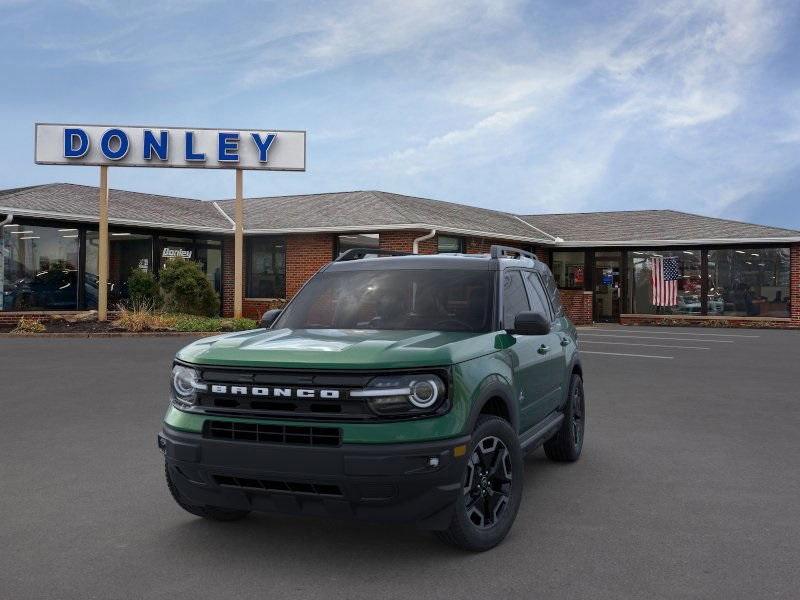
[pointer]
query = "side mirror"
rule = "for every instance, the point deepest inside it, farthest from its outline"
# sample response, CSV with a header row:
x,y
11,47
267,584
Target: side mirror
x,y
531,323
269,317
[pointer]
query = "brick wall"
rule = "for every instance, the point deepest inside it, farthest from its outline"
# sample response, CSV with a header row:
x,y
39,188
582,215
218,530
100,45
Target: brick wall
x,y
305,255
794,284
227,276
577,305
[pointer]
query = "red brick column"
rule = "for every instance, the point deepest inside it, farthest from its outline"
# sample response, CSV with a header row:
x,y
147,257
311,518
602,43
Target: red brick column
x,y
227,277
794,284
577,305
306,254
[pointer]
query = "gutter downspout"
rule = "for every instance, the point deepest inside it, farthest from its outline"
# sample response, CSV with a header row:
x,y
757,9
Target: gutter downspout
x,y
7,220
427,236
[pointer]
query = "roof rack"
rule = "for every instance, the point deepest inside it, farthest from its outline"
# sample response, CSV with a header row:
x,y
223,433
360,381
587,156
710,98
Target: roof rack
x,y
359,253
497,251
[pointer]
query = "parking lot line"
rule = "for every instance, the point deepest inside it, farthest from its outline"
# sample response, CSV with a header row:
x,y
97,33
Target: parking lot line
x,y
652,337
648,345
734,335
624,354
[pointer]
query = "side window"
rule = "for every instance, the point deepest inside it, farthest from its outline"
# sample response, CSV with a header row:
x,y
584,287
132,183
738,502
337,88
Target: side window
x,y
552,291
539,301
515,298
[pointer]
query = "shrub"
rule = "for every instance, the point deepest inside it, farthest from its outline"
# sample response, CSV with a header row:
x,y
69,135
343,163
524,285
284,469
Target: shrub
x,y
26,325
240,324
186,289
143,289
210,324
141,317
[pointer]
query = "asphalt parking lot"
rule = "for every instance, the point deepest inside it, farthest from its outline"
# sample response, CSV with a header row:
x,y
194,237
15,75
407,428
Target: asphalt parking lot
x,y
688,487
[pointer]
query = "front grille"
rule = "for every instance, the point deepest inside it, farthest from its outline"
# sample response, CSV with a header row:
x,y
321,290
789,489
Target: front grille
x,y
289,487
273,434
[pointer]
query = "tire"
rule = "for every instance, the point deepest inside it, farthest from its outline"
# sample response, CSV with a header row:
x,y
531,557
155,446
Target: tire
x,y
566,444
486,510
215,513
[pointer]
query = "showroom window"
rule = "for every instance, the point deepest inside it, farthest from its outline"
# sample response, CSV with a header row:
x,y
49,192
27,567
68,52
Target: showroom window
x,y
748,282
357,240
209,255
569,270
447,244
666,282
266,267
39,267
128,252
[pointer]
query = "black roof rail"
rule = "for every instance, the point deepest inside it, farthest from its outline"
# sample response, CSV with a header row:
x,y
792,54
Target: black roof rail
x,y
359,253
497,251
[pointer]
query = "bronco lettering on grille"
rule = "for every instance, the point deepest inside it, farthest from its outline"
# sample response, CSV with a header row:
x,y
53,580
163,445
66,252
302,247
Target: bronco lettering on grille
x,y
274,392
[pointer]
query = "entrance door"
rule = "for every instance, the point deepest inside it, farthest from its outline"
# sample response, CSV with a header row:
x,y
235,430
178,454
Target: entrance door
x,y
607,286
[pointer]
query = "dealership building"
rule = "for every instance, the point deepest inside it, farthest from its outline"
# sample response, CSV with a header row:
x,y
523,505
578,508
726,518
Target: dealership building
x,y
610,266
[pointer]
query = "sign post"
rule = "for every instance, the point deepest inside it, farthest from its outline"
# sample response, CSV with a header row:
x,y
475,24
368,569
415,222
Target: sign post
x,y
176,147
238,244
102,255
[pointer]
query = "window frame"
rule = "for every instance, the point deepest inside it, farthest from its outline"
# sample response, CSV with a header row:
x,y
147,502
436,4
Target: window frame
x,y
248,271
502,304
461,244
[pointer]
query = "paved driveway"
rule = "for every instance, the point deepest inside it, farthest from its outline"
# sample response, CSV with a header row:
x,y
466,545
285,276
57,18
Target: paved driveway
x,y
688,487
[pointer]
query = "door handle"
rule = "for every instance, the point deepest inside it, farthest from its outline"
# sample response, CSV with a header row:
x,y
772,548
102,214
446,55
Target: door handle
x,y
565,341
544,349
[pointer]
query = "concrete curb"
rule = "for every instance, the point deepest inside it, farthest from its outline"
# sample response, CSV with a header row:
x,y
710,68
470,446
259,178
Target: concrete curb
x,y
106,334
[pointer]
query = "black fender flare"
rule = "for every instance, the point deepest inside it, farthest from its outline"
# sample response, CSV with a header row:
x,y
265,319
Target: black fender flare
x,y
494,386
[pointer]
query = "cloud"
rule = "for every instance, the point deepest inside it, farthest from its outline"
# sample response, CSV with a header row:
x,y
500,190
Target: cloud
x,y
467,146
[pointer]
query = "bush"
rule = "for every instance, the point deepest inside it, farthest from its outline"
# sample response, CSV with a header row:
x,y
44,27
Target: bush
x,y
26,325
210,324
186,289
143,289
141,317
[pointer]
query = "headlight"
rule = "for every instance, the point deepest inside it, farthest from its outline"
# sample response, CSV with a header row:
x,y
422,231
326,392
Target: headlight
x,y
397,395
185,384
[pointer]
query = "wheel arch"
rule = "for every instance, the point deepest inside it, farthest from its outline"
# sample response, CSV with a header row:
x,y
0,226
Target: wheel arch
x,y
495,397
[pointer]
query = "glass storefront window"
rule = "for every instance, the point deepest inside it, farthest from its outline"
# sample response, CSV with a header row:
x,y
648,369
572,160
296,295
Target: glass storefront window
x,y
666,282
39,268
209,255
748,282
569,269
173,247
357,240
128,252
447,244
266,267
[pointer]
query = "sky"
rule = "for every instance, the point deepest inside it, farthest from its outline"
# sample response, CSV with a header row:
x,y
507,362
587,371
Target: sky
x,y
528,107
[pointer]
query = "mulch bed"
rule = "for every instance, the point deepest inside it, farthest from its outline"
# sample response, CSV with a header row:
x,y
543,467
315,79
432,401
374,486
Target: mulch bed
x,y
61,326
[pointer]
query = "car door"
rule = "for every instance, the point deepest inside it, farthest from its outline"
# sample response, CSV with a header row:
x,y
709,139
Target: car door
x,y
528,361
552,381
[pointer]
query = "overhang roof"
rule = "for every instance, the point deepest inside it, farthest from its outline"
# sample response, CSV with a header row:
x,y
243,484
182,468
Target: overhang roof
x,y
373,210
364,211
72,202
635,227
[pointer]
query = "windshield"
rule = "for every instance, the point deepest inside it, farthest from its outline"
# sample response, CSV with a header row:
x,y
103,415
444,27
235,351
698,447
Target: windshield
x,y
434,300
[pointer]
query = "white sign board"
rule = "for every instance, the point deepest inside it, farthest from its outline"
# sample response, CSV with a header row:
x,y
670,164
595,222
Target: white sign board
x,y
189,148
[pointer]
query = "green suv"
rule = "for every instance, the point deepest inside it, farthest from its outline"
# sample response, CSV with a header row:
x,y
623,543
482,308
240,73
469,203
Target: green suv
x,y
394,388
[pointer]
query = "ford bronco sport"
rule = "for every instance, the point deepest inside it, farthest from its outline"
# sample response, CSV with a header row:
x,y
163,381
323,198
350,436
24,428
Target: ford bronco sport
x,y
391,388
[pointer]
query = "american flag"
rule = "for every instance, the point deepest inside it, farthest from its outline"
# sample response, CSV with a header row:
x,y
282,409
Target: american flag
x,y
664,277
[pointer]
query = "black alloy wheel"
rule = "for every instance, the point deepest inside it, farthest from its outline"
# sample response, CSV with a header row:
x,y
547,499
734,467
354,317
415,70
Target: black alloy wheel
x,y
487,486
491,488
578,408
567,443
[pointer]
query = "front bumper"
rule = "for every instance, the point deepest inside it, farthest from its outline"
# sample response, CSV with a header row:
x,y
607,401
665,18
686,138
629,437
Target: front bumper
x,y
401,483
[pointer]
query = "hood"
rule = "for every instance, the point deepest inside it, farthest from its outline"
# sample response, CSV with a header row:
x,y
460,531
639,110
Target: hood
x,y
337,348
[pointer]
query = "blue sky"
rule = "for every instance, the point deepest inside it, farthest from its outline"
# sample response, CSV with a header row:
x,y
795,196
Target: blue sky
x,y
521,106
